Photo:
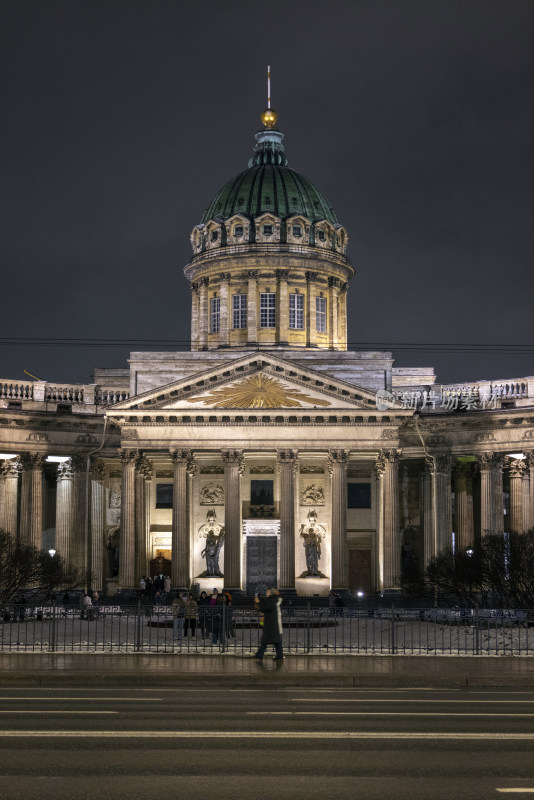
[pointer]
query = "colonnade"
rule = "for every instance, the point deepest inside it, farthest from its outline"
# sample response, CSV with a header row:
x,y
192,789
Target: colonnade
x,y
80,512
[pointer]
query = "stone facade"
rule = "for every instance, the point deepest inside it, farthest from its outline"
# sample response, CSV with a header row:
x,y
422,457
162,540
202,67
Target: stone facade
x,y
269,452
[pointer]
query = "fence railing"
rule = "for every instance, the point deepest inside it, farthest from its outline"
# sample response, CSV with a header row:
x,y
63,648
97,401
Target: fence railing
x,y
386,631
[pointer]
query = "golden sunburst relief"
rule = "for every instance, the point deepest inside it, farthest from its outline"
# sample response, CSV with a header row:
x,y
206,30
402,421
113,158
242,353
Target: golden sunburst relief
x,y
257,391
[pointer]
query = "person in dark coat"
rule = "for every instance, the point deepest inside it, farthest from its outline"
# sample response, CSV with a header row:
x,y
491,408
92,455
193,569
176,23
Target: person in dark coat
x,y
270,607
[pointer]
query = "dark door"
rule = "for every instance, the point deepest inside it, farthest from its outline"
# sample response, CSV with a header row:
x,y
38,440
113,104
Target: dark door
x,y
261,563
360,571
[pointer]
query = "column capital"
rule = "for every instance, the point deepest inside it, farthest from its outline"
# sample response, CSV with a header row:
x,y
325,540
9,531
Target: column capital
x,y
11,467
129,457
184,458
98,470
29,461
485,461
282,274
443,463
529,457
204,282
143,466
234,457
252,274
65,471
225,277
516,467
340,457
288,458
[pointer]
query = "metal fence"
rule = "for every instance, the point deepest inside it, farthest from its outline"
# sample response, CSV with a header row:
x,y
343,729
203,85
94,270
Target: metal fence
x,y
153,629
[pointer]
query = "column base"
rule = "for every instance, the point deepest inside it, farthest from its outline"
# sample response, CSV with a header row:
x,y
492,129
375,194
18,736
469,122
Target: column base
x,y
289,594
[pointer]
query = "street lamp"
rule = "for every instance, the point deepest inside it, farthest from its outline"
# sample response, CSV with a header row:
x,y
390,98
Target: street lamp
x,y
52,552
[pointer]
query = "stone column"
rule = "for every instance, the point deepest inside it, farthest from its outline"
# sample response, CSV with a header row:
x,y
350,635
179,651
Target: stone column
x,y
337,464
444,502
287,464
464,528
529,516
233,469
252,307
283,306
498,513
143,473
380,468
311,322
2,496
333,316
79,543
487,502
183,464
226,312
430,511
96,543
203,316
391,519
11,470
194,316
65,510
127,535
25,497
516,470
343,316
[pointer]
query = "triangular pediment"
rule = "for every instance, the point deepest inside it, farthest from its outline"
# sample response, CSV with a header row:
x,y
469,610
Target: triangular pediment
x,y
253,382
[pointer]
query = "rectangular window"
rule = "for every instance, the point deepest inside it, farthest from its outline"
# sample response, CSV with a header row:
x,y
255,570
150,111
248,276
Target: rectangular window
x,y
239,305
215,314
268,310
320,314
359,495
164,492
296,311
261,493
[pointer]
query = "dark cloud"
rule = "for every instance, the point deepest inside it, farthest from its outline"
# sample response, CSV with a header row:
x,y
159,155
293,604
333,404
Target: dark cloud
x,y
121,118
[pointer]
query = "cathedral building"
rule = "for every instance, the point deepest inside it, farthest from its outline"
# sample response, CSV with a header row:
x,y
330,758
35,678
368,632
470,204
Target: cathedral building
x,y
269,453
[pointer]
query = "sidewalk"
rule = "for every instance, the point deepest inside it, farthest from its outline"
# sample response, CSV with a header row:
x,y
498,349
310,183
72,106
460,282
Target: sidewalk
x,y
230,671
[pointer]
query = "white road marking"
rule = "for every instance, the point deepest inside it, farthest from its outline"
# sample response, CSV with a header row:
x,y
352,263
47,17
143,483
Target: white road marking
x,y
379,714
210,734
516,791
84,699
48,711
386,700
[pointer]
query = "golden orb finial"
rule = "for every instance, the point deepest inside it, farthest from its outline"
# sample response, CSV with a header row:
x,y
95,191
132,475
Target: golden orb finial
x,y
268,118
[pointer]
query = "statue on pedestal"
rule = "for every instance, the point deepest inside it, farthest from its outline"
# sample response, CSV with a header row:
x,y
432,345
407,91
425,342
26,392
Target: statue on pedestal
x,y
214,535
312,532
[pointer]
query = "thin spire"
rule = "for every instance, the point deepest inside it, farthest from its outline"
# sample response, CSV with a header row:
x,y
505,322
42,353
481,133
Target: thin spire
x,y
268,87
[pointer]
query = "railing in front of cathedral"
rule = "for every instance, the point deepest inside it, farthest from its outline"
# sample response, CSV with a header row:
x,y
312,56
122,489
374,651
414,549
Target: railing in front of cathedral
x,y
64,394
311,627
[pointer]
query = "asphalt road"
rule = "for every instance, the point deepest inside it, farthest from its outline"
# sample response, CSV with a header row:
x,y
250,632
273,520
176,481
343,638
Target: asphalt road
x,y
294,743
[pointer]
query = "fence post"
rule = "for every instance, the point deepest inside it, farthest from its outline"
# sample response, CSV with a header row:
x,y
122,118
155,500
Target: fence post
x,y
53,632
393,630
138,626
477,633
308,627
223,625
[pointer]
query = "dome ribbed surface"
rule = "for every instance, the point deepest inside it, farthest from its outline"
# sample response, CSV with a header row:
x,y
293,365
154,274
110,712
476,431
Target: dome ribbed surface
x,y
269,185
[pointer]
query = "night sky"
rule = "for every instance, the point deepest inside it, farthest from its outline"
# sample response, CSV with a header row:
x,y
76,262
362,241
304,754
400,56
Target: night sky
x,y
122,118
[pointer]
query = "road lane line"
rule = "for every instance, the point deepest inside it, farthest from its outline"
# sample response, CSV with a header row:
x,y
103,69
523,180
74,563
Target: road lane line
x,y
379,714
48,711
385,700
210,734
77,699
516,791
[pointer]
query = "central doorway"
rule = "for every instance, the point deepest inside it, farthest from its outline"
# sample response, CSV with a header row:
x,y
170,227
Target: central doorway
x,y
262,555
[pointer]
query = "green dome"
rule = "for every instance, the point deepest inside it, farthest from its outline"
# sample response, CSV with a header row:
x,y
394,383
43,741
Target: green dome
x,y
269,185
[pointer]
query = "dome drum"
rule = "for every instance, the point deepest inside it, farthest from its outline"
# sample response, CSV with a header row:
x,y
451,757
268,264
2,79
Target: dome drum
x,y
268,229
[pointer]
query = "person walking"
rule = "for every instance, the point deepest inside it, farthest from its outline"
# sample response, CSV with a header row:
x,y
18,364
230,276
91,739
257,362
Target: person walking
x,y
270,607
